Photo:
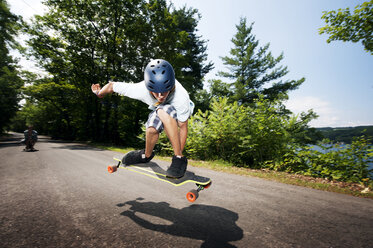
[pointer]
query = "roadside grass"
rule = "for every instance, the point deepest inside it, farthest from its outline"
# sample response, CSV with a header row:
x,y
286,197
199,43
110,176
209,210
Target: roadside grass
x,y
111,148
353,189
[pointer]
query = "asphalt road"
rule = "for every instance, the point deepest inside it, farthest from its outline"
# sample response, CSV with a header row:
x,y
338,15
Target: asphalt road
x,y
63,196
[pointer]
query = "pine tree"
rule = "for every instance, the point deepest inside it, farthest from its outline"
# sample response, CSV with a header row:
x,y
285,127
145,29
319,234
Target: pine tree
x,y
254,70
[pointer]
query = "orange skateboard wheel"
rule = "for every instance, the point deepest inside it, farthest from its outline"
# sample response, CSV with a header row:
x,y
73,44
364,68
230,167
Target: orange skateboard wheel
x,y
192,195
112,168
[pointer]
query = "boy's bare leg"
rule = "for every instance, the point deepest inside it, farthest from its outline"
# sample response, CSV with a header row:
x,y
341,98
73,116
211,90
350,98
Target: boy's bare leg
x,y
183,132
152,136
172,131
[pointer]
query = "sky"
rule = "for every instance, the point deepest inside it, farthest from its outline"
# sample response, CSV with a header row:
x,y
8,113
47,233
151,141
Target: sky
x,y
339,75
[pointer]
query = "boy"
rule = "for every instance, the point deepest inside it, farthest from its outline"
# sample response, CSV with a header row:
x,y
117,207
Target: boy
x,y
31,136
171,107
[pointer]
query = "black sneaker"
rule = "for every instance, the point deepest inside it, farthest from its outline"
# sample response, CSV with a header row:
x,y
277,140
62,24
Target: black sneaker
x,y
136,157
178,167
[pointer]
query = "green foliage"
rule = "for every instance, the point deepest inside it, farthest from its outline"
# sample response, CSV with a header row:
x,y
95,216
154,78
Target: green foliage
x,y
301,133
10,84
9,26
10,81
245,135
60,101
215,134
253,69
346,26
83,42
216,89
336,162
30,114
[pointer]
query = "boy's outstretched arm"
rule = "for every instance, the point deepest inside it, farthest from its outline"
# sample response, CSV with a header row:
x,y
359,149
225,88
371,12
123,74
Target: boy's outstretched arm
x,y
107,89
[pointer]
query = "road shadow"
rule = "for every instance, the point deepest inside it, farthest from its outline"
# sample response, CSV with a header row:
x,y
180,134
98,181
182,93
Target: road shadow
x,y
10,140
14,139
216,226
76,147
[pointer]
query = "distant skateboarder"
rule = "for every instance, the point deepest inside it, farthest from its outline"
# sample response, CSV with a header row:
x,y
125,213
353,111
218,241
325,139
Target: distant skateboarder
x,y
31,136
171,107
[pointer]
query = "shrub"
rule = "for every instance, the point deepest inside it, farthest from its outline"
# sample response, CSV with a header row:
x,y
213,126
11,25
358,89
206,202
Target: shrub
x,y
348,163
244,135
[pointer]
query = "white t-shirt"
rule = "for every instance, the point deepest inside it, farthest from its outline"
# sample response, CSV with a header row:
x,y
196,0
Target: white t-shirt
x,y
179,98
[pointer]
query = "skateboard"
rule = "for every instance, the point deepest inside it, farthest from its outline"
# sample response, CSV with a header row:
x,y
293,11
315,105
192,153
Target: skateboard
x,y
29,150
153,170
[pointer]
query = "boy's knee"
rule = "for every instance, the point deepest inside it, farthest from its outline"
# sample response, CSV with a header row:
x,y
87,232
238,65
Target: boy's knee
x,y
167,112
161,113
152,131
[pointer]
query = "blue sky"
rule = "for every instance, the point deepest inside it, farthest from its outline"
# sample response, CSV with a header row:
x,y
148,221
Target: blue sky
x,y
339,75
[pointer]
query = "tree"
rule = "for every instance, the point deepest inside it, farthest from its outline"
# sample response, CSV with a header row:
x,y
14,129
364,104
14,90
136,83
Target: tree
x,y
216,89
10,82
84,42
346,26
253,69
191,51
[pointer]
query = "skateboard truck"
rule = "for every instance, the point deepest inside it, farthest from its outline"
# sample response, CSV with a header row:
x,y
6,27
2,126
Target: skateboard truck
x,y
113,168
194,193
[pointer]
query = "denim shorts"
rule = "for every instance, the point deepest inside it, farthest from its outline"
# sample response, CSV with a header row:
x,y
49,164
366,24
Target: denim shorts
x,y
155,121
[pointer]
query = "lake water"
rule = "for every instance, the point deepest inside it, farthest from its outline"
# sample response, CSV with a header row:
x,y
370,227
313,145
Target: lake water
x,y
318,148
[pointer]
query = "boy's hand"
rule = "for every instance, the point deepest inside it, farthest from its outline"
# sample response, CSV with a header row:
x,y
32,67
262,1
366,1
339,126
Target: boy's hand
x,y
107,89
96,89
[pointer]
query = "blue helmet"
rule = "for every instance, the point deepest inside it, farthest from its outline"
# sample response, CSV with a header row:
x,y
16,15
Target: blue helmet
x,y
159,76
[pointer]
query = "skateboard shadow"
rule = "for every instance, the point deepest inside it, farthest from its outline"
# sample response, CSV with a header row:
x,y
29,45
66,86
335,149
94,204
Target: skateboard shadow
x,y
216,226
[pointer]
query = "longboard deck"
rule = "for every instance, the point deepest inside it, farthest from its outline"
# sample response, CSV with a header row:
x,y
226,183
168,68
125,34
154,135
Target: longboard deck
x,y
153,170
30,150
